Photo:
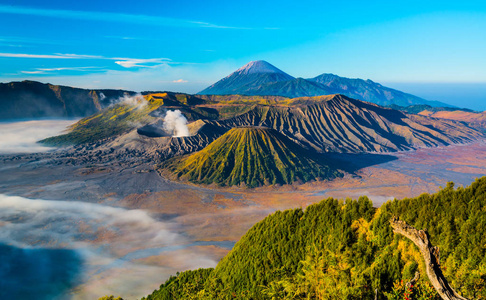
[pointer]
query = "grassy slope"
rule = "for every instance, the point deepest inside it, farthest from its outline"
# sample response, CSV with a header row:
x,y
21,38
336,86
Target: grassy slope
x,y
112,121
351,249
253,156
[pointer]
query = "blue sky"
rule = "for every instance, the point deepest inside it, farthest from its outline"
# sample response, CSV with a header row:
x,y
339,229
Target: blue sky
x,y
187,45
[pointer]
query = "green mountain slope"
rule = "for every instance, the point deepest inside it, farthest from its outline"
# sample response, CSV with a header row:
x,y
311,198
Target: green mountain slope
x,y
109,122
250,156
133,112
347,250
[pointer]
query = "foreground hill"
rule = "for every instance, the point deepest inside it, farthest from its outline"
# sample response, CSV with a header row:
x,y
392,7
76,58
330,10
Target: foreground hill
x,y
261,78
31,99
249,156
347,250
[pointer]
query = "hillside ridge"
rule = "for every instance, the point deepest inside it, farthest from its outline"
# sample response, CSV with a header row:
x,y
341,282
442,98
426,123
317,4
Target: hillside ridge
x,y
32,99
252,156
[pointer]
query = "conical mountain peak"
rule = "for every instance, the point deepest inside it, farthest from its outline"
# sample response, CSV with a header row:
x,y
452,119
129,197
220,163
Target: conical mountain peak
x,y
259,66
252,75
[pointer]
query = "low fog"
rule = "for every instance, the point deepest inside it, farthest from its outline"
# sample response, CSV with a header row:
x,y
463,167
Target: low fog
x,y
100,249
22,137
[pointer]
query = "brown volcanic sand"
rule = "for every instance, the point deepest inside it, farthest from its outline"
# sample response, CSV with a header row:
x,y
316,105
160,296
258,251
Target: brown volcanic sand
x,y
232,211
208,220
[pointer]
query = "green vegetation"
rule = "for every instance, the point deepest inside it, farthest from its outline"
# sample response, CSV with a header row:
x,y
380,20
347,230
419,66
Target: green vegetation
x,y
110,122
125,116
250,156
110,297
128,115
346,250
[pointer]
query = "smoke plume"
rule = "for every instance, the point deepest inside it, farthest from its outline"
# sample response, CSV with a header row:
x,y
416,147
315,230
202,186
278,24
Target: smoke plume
x,y
175,123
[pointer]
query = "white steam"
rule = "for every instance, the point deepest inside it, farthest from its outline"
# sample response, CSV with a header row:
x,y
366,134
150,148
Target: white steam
x,y
175,123
22,137
138,101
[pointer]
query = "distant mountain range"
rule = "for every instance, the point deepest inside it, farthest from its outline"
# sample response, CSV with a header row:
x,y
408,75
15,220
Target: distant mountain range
x,y
260,78
32,99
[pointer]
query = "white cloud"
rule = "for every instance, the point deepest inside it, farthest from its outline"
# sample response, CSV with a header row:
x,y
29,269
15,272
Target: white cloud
x,y
67,69
48,56
32,72
110,17
135,62
125,62
48,70
179,81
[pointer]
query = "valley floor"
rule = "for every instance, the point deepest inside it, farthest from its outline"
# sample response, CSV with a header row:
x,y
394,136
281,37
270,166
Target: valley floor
x,y
167,227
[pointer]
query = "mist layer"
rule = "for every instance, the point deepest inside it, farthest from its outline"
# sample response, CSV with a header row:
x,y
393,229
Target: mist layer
x,y
22,137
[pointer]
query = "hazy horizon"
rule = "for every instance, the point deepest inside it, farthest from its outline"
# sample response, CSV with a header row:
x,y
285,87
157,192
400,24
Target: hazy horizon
x,y
459,94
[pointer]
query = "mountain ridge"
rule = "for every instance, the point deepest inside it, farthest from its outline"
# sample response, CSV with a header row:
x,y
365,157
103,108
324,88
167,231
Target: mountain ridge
x,y
32,99
256,82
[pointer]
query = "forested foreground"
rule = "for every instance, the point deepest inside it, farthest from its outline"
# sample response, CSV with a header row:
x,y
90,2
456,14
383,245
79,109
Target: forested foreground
x,y
347,250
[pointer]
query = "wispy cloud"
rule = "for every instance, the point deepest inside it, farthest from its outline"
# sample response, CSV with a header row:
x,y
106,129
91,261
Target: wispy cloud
x,y
179,81
50,70
32,72
134,62
67,69
29,40
125,62
129,38
51,56
110,17
11,45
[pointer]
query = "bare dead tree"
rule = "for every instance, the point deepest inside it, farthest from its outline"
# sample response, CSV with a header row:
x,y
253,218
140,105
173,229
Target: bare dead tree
x,y
431,256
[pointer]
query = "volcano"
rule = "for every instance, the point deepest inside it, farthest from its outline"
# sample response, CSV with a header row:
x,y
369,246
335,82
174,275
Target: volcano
x,y
252,156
